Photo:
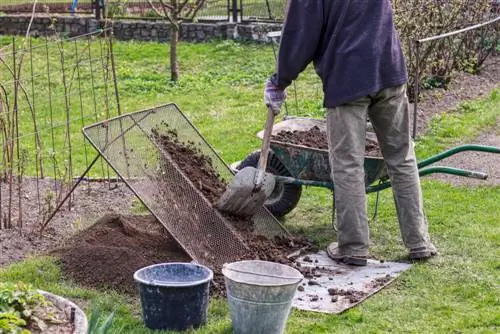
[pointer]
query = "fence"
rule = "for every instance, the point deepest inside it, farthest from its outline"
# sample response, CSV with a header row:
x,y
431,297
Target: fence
x,y
49,6
436,58
49,89
219,10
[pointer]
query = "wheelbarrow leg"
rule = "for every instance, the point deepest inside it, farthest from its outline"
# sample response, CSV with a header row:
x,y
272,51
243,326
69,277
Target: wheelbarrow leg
x,y
377,201
334,216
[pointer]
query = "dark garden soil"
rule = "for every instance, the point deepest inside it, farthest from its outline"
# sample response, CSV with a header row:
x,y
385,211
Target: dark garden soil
x,y
195,165
315,138
107,254
90,202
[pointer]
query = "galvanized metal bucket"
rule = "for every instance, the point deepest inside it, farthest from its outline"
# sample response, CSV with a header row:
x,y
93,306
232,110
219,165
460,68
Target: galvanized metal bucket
x,y
260,295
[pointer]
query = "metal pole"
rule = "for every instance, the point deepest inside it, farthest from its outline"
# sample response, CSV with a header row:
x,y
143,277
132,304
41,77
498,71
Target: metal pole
x,y
97,6
416,88
234,11
80,179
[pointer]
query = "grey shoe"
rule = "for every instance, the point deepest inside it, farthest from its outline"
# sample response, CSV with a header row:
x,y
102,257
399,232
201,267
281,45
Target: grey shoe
x,y
422,253
333,252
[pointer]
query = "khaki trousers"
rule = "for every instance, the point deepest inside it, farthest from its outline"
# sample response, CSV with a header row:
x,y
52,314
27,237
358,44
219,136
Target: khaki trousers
x,y
388,111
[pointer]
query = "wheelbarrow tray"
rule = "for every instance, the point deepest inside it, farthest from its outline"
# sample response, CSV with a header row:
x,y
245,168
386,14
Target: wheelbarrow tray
x,y
312,164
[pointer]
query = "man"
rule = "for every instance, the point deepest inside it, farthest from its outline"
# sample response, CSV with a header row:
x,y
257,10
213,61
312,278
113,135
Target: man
x,y
357,54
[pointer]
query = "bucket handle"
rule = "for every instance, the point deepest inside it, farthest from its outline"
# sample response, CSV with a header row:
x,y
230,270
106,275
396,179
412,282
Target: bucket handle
x,y
266,275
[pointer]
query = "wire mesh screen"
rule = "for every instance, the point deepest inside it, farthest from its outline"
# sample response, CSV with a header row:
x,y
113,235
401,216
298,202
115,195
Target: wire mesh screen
x,y
131,144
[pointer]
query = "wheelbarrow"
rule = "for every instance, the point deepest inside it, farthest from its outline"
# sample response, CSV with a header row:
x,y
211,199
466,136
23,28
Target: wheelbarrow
x,y
295,166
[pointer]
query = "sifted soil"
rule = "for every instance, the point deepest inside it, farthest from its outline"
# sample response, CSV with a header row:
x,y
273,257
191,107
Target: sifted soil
x,y
107,254
315,138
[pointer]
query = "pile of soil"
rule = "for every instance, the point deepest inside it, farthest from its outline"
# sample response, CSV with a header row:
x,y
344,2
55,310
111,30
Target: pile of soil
x,y
315,138
107,254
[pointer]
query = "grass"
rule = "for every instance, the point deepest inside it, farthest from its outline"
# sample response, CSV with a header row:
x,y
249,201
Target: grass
x,y
221,92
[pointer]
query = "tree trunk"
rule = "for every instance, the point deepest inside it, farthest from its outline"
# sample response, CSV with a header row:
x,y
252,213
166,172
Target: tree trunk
x,y
174,39
174,66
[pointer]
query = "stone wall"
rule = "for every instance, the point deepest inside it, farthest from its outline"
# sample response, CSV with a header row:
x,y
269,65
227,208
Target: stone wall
x,y
134,29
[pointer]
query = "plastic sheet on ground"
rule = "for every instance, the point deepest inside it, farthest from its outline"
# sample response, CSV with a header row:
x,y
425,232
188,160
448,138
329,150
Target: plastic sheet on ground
x,y
332,287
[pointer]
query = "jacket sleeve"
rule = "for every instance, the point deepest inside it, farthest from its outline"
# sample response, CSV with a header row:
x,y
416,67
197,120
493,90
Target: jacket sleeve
x,y
300,38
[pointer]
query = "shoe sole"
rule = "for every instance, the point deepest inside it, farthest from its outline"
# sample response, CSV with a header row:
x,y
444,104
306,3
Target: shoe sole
x,y
421,255
354,261
349,260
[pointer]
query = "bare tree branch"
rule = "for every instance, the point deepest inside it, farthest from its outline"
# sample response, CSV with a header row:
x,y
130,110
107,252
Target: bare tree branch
x,y
155,9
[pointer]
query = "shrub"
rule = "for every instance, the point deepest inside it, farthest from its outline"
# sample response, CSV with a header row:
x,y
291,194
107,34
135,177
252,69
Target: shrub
x,y
417,19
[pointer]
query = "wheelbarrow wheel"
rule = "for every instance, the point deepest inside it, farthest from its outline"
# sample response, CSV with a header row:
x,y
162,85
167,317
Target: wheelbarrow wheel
x,y
284,197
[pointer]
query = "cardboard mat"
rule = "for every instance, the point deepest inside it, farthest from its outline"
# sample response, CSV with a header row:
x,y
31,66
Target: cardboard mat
x,y
331,287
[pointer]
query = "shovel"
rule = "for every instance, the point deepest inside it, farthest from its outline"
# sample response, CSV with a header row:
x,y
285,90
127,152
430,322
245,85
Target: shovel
x,y
251,186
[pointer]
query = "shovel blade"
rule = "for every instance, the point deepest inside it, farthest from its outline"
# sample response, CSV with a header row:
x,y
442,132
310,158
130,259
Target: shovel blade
x,y
242,197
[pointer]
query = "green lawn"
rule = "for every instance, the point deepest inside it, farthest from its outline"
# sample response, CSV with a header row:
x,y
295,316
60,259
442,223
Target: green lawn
x,y
221,92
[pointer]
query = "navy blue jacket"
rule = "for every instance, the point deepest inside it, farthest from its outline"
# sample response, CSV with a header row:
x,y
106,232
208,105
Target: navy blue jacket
x,y
353,44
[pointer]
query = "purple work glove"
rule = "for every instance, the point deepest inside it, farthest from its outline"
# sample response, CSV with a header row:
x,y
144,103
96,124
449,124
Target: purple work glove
x,y
273,97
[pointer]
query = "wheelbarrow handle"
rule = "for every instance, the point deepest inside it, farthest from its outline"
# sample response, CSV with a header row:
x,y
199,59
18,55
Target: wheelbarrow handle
x,y
264,151
458,149
453,171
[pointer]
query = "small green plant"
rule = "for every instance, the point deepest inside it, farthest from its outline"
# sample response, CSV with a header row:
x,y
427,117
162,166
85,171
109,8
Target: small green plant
x,y
17,308
117,9
96,326
138,208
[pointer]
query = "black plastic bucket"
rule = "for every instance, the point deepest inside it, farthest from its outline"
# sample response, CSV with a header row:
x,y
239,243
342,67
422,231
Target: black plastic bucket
x,y
174,296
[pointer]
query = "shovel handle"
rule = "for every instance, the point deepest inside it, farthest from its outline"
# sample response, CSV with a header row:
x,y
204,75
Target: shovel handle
x,y
266,142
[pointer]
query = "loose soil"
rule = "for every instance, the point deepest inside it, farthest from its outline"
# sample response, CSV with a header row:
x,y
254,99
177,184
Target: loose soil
x,y
193,163
107,254
464,86
315,138
90,201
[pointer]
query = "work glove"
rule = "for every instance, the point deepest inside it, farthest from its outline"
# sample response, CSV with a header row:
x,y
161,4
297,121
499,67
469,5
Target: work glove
x,y
273,97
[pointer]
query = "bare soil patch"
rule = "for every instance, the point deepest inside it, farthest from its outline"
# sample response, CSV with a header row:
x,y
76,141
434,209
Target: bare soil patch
x,y
107,254
464,86
90,202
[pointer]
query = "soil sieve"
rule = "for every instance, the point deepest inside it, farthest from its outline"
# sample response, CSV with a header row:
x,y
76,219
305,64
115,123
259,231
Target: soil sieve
x,y
128,144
